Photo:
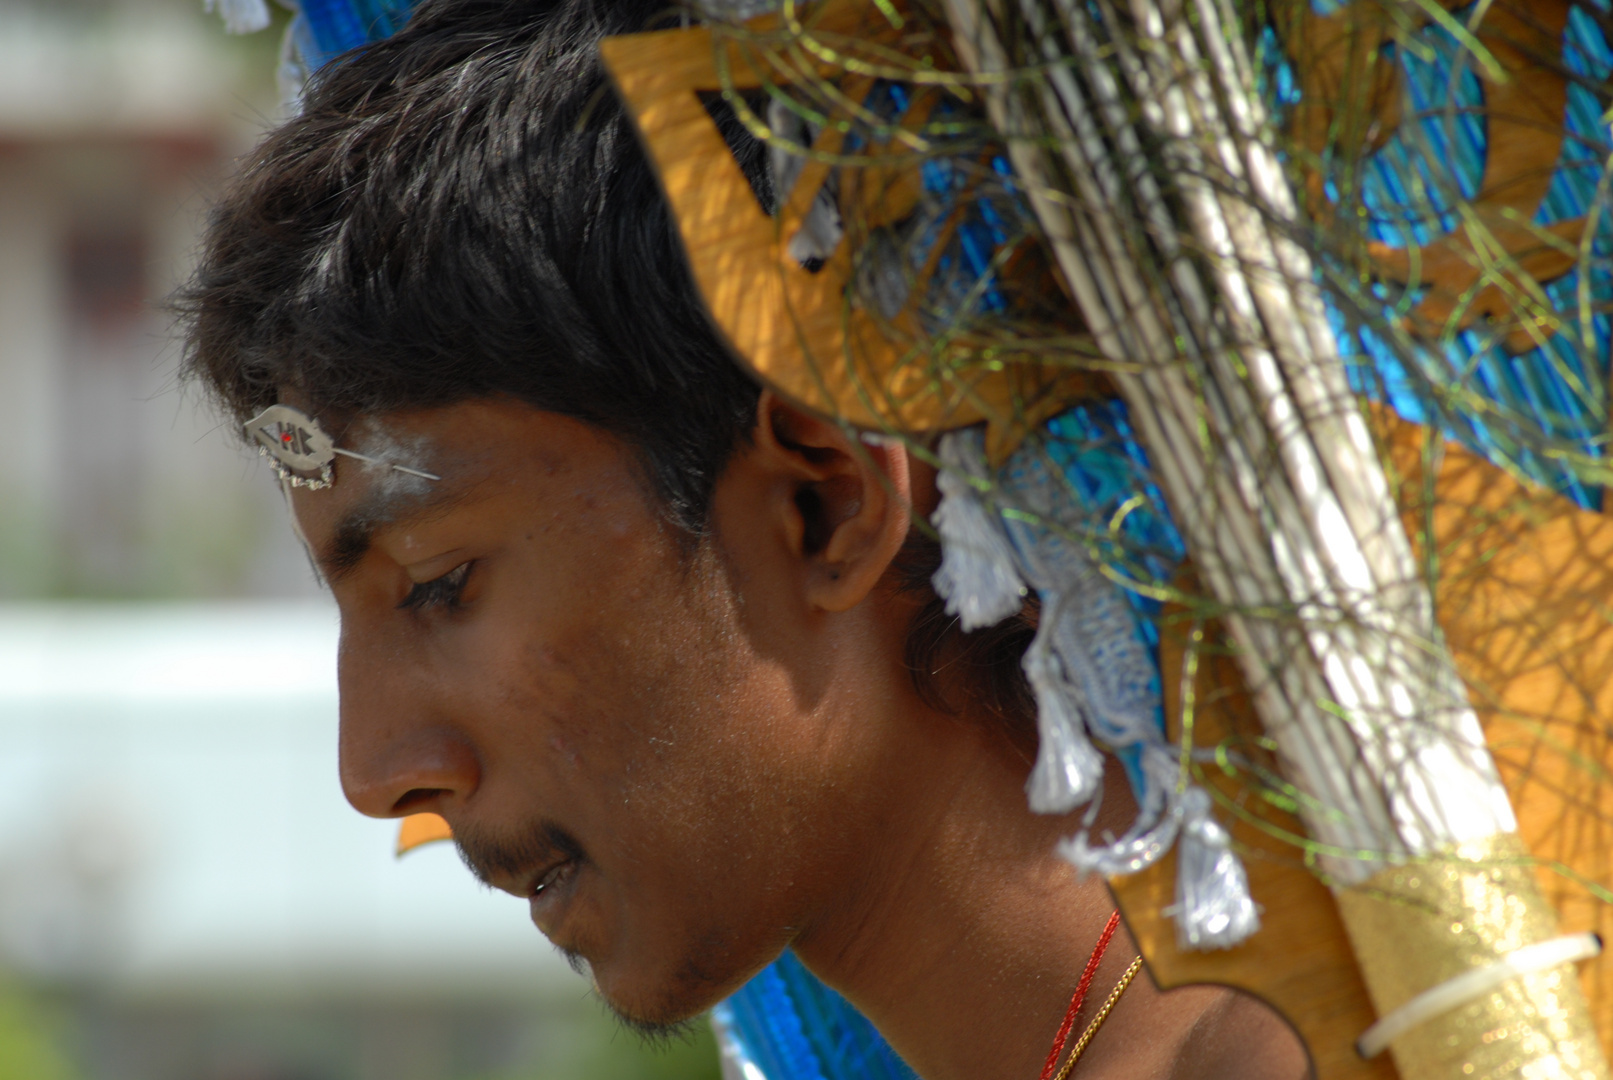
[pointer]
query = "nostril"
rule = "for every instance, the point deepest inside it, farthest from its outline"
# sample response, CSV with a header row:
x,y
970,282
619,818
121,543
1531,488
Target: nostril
x,y
415,800
394,774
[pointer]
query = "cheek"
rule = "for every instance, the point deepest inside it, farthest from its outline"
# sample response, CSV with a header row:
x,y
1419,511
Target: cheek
x,y
541,656
593,670
725,828
682,739
616,694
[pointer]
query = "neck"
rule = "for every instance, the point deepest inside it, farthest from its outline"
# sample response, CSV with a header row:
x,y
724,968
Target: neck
x,y
967,945
969,939
961,933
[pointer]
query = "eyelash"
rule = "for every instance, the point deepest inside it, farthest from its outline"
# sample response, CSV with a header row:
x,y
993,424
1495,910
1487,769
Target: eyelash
x,y
440,592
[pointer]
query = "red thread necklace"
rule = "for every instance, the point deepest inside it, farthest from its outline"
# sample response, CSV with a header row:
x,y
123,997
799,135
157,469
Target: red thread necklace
x,y
1080,997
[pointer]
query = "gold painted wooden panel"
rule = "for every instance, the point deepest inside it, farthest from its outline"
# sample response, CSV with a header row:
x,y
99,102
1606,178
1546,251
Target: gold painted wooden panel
x,y
800,330
1525,595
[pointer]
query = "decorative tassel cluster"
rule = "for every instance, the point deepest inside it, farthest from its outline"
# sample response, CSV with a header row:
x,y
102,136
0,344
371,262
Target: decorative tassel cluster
x,y
1068,769
977,578
1094,677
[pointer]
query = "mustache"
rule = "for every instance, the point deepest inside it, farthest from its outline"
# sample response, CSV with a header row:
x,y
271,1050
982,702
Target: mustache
x,y
540,844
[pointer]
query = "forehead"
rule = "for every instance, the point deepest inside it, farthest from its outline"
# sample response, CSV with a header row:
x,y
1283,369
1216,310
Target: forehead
x,y
480,449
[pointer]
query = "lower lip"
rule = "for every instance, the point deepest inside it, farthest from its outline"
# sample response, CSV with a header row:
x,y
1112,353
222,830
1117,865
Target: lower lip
x,y
550,902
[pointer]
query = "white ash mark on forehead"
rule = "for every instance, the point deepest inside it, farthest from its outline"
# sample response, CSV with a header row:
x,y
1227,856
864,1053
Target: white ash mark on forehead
x,y
373,439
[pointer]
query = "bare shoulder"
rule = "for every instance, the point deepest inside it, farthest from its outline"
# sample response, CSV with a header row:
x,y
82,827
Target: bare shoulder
x,y
1239,1038
1194,1033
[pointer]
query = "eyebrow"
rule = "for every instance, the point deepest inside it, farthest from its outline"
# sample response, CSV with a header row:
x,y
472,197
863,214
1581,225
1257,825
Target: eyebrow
x,y
348,546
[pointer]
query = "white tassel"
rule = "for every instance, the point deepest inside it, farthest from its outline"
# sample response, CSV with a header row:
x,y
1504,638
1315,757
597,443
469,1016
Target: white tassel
x,y
981,586
1068,771
1089,671
1152,832
241,16
977,578
1213,908
821,228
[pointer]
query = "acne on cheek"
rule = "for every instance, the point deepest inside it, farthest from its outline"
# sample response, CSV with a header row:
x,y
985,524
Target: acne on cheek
x,y
565,751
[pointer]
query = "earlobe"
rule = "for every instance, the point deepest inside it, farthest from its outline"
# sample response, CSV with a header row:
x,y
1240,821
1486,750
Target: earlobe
x,y
852,498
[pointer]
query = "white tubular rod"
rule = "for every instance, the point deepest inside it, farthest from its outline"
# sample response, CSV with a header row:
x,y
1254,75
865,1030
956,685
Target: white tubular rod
x,y
1284,506
1173,431
1254,587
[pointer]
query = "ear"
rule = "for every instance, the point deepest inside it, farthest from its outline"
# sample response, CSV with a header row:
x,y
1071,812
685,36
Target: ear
x,y
843,503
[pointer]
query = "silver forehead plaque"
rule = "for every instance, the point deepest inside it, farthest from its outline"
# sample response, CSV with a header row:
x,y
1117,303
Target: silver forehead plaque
x,y
300,452
298,449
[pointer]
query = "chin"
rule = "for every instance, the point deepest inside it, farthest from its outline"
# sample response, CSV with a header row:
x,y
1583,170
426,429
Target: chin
x,y
661,1001
650,1005
651,1031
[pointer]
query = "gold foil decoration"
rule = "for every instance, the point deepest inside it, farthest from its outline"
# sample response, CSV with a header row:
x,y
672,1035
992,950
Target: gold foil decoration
x,y
1343,109
1417,925
796,328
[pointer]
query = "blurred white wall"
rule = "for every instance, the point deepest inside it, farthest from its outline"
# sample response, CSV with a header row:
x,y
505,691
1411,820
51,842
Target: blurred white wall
x,y
182,886
171,820
118,121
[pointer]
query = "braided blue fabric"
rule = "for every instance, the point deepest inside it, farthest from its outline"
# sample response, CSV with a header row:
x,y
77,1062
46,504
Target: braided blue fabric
x,y
786,1025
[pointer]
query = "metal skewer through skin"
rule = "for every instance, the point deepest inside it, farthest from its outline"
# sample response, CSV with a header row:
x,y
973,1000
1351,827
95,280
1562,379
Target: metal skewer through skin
x,y
356,456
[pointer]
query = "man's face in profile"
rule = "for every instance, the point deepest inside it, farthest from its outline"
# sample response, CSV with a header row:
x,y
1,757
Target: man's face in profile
x,y
625,725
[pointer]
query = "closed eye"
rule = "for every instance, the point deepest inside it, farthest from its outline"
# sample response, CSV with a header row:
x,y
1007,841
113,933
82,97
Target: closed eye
x,y
440,592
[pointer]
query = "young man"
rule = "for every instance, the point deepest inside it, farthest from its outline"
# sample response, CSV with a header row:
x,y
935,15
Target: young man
x,y
659,645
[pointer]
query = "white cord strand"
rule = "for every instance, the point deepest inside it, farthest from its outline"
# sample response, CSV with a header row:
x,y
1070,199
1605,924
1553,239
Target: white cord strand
x,y
1457,991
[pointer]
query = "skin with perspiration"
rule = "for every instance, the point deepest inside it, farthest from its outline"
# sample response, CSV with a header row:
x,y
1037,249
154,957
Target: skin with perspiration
x,y
720,748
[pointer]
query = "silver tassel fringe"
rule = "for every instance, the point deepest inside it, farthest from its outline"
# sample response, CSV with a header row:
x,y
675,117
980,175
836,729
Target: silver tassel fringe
x,y
1213,909
1093,678
241,16
977,578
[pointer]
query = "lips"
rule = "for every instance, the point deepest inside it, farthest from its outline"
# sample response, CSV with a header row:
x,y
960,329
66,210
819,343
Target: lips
x,y
553,874
523,865
552,895
541,864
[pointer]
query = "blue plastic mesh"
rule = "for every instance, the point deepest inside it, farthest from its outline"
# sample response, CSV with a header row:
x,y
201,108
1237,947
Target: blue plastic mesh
x,y
790,1026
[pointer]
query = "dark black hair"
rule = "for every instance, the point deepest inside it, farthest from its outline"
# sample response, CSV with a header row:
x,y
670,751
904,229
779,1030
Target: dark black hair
x,y
463,211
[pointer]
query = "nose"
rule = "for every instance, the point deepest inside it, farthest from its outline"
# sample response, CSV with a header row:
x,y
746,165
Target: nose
x,y
399,754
